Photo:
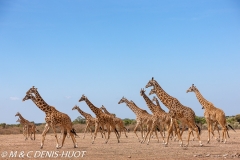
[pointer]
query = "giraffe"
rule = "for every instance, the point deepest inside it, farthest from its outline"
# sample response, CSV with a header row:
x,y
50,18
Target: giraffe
x,y
30,96
53,118
142,117
24,128
118,121
28,126
102,118
90,121
212,114
157,118
182,113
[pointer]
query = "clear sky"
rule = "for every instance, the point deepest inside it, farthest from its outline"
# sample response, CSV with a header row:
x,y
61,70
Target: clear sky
x,y
109,49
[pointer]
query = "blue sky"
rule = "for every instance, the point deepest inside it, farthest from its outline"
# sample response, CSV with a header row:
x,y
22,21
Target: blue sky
x,y
109,49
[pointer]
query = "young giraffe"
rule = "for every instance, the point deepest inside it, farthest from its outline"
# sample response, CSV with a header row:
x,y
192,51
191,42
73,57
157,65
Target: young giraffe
x,y
211,114
118,121
25,131
102,118
90,121
185,114
28,125
156,117
53,118
31,128
142,117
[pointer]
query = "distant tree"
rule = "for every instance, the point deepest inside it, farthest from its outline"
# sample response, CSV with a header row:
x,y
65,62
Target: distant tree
x,y
79,120
237,118
3,125
200,120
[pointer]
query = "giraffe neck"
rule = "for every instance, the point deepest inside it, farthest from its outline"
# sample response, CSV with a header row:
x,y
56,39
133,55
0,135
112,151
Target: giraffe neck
x,y
201,99
95,110
21,117
84,114
41,104
133,107
150,104
165,98
105,111
158,107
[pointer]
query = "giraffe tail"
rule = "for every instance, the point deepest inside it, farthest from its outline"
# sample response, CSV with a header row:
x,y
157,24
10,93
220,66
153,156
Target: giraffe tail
x,y
158,129
126,129
199,129
74,132
117,132
231,127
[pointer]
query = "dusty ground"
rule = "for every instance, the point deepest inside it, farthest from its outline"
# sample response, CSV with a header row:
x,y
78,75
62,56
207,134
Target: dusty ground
x,y
128,148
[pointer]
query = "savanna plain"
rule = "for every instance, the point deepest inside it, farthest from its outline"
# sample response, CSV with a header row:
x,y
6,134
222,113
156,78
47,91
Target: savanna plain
x,y
128,148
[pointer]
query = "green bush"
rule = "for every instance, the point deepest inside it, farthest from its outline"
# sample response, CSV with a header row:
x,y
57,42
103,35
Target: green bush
x,y
128,121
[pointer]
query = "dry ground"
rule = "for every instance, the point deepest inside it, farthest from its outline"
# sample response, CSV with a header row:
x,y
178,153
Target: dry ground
x,y
128,148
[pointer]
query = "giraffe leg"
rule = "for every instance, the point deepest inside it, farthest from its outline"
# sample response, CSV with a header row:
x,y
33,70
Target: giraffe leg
x,y
209,128
178,132
102,131
169,132
73,138
64,132
46,129
34,132
150,131
160,133
189,134
146,135
135,131
124,129
55,134
224,138
27,133
193,136
142,131
95,133
197,130
86,130
216,126
108,131
116,132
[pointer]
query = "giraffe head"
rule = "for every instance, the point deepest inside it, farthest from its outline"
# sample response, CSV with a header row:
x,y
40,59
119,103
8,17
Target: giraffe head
x,y
102,107
17,114
122,100
154,99
83,98
153,91
150,83
142,91
75,107
27,97
18,120
192,88
32,90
